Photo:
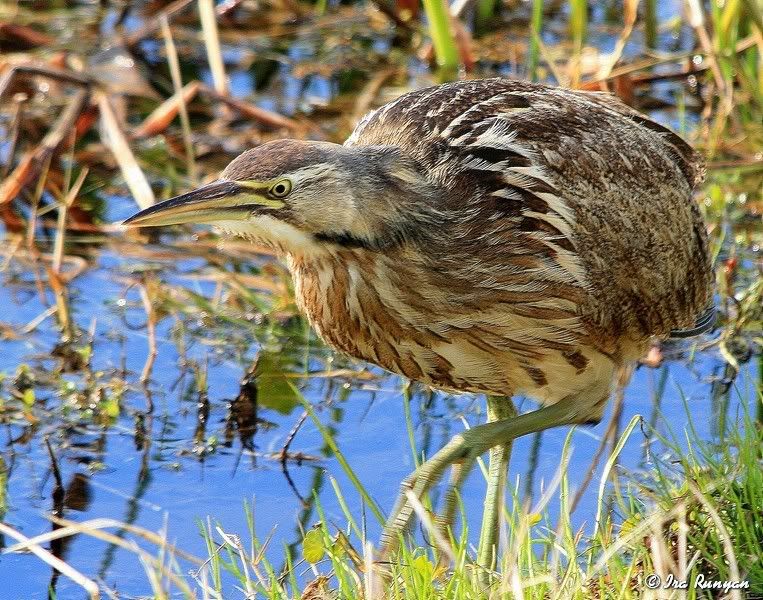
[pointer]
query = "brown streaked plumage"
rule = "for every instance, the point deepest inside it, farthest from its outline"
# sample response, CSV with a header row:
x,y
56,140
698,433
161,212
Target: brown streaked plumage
x,y
490,236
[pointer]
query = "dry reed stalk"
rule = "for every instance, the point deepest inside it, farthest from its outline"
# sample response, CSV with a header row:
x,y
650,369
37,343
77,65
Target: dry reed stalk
x,y
38,320
636,67
177,83
10,249
78,264
429,526
115,140
511,568
608,439
13,135
152,24
29,166
640,73
222,9
561,78
630,10
39,188
368,93
164,114
105,229
389,10
63,211
56,563
239,281
696,17
63,311
373,579
212,44
68,528
51,72
235,542
267,117
93,529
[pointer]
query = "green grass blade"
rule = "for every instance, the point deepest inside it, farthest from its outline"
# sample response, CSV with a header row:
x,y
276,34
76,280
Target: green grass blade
x,y
331,443
443,40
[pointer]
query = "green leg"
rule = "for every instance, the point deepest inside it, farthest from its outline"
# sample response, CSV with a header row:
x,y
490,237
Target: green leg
x,y
498,409
466,447
458,474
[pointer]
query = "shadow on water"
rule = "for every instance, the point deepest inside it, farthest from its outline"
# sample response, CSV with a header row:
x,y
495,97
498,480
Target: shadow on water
x,y
93,430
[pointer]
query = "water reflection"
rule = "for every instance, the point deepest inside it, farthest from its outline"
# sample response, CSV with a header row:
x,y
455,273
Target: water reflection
x,y
242,414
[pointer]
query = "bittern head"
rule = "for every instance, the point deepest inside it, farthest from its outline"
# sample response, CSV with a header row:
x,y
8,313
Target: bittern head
x,y
303,196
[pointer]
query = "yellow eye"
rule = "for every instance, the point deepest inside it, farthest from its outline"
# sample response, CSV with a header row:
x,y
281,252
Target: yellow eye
x,y
281,188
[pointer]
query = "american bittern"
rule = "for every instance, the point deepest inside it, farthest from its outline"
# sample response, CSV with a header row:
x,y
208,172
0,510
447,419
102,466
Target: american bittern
x,y
490,236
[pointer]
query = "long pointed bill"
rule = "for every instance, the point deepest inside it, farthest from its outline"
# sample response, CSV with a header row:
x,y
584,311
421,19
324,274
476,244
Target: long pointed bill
x,y
218,201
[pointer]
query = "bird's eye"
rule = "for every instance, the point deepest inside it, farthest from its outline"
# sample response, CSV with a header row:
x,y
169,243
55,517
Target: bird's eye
x,y
281,188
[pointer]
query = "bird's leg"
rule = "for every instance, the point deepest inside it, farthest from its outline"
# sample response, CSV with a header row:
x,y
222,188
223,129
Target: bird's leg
x,y
499,408
459,472
467,446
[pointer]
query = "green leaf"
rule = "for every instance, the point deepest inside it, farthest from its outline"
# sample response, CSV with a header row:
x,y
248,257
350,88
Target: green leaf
x,y
111,408
274,389
312,546
28,397
423,567
86,352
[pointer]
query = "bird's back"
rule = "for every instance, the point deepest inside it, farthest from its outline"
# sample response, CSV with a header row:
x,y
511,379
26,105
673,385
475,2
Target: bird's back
x,y
564,194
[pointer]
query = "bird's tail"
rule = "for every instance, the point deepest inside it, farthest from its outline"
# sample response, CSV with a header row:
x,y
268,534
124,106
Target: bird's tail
x,y
705,322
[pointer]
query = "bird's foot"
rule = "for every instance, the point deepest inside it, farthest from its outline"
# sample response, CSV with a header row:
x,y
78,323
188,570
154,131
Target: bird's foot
x,y
460,453
464,449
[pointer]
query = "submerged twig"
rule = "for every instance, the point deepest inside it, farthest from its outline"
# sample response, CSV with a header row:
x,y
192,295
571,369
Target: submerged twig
x,y
54,464
151,330
284,453
283,457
